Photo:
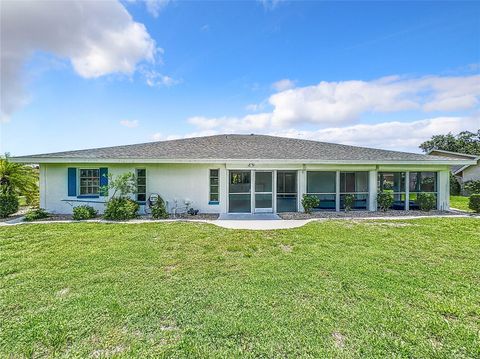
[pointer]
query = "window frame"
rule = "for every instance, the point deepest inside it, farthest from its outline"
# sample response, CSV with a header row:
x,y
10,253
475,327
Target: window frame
x,y
210,185
145,185
79,186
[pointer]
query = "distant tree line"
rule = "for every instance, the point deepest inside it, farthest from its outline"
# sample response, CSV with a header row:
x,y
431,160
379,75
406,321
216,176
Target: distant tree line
x,y
465,142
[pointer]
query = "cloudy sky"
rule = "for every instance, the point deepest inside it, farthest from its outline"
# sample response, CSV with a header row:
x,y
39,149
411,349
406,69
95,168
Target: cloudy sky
x,y
81,74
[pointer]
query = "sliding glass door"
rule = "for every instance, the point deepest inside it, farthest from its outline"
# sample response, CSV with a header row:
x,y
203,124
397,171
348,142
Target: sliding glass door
x,y
239,192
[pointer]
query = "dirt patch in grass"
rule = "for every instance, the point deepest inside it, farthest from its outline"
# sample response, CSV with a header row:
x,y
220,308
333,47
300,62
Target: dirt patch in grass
x,y
109,352
338,340
286,248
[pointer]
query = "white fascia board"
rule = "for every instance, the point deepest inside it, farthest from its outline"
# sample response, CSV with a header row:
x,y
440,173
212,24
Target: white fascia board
x,y
239,161
475,157
461,169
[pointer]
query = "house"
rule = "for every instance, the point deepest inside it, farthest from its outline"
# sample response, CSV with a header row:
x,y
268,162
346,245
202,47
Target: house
x,y
463,173
245,174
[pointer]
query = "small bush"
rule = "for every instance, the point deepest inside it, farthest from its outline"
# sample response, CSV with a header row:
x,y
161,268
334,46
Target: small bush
x,y
120,209
159,211
84,212
384,200
455,187
474,202
8,204
426,201
348,202
309,202
472,187
36,214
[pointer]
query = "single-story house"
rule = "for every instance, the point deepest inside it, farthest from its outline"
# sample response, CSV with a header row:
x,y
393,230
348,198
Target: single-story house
x,y
244,174
463,173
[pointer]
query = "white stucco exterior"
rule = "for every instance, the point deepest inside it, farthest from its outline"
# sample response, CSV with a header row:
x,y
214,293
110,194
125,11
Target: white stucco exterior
x,y
471,173
190,181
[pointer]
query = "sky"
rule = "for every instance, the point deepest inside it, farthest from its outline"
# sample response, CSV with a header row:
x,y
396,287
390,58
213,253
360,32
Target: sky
x,y
84,74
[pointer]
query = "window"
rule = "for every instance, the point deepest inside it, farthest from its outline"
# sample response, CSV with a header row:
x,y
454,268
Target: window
x,y
323,186
214,187
393,183
89,182
355,183
141,184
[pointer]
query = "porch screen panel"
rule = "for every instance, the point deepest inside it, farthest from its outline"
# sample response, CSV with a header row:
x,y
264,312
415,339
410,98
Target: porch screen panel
x,y
323,186
421,182
393,183
239,187
286,191
356,184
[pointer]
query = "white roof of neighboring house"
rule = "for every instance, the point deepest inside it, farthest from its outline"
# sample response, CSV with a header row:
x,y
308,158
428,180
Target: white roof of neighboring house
x,y
450,154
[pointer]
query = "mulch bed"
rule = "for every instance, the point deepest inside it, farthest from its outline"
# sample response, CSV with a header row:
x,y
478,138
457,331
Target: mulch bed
x,y
365,214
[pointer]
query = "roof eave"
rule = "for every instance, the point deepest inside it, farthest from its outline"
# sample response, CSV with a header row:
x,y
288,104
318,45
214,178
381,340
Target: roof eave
x,y
229,160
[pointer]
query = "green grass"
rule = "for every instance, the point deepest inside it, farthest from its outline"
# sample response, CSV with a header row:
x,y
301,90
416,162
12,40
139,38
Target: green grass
x,y
460,202
331,289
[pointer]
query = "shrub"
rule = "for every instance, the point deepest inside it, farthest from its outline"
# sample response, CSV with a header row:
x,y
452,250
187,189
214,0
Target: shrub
x,y
84,212
348,202
455,187
36,214
8,204
384,200
309,202
474,202
426,201
120,209
472,187
159,211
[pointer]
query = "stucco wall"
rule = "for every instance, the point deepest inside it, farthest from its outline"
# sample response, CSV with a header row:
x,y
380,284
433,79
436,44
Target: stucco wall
x,y
191,181
472,173
171,181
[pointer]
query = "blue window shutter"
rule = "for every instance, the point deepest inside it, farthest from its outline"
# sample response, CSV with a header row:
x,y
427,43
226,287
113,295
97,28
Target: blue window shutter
x,y
103,181
72,181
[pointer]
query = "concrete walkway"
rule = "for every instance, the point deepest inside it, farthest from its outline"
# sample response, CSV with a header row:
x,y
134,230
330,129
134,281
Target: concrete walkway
x,y
259,224
248,216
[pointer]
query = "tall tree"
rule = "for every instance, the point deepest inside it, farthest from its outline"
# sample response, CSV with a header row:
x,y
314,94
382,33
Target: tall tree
x,y
465,142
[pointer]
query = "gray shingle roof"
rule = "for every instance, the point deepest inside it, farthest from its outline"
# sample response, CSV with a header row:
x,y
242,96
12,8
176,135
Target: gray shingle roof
x,y
240,147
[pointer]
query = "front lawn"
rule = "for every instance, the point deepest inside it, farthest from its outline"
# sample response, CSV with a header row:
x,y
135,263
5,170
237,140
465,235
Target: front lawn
x,y
332,289
460,202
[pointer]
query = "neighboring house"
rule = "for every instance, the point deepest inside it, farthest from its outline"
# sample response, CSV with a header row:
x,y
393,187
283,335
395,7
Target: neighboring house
x,y
464,173
244,174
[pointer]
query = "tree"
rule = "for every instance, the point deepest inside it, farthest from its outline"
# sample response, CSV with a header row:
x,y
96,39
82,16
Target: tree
x,y
19,179
465,142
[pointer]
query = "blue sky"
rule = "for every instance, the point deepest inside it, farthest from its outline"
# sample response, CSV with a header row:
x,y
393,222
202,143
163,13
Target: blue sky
x,y
379,74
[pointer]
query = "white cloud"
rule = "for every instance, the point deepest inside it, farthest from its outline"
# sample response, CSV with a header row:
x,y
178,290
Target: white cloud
x,y
336,103
270,4
394,135
255,122
129,123
284,84
156,79
154,7
97,37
